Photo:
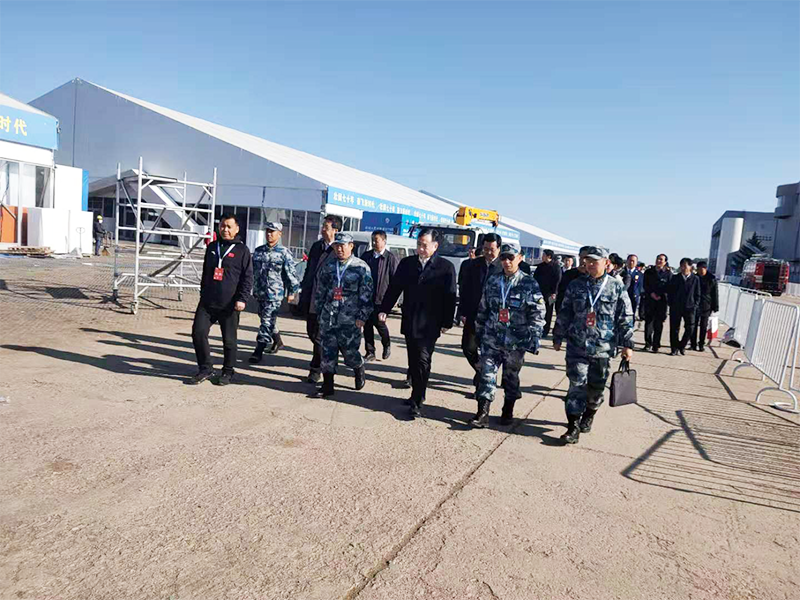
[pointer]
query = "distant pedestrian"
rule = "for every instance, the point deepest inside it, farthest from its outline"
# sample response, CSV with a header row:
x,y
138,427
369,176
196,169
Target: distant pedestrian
x,y
225,287
319,254
508,324
472,277
273,274
98,232
548,276
709,303
428,284
595,319
567,263
684,302
635,281
570,276
343,302
382,265
656,282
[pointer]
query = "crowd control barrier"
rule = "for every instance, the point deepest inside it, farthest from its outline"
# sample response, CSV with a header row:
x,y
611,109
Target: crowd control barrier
x,y
771,346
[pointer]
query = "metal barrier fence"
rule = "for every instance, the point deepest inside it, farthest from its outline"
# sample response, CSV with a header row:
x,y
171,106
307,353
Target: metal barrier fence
x,y
771,347
793,289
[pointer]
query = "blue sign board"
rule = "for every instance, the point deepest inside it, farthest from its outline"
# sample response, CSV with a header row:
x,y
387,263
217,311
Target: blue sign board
x,y
29,128
390,223
368,203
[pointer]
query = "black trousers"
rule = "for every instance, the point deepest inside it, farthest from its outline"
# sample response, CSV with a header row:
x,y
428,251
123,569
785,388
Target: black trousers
x,y
369,333
228,320
548,316
420,351
312,329
654,316
676,341
701,328
469,346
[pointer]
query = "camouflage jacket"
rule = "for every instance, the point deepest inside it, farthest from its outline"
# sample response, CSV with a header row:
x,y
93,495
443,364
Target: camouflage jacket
x,y
273,273
356,303
526,310
613,318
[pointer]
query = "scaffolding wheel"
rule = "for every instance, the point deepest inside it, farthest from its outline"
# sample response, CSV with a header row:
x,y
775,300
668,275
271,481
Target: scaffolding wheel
x,y
134,307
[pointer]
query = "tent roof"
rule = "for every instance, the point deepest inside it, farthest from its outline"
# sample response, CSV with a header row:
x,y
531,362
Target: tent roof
x,y
323,170
14,103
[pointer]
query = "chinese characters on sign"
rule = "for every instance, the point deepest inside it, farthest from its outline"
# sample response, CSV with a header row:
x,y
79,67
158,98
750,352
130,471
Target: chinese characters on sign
x,y
20,127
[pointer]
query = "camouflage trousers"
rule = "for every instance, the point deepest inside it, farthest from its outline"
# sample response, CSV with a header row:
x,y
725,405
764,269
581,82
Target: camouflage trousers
x,y
491,361
268,313
348,340
587,382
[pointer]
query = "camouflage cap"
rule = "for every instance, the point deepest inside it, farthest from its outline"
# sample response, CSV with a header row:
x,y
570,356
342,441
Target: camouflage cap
x,y
273,226
596,252
343,238
508,250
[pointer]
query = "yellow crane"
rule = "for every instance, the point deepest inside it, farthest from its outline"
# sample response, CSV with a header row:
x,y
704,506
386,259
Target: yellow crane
x,y
466,214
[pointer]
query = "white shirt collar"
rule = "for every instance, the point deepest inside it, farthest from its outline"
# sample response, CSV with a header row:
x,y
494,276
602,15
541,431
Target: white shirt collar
x,y
423,261
379,254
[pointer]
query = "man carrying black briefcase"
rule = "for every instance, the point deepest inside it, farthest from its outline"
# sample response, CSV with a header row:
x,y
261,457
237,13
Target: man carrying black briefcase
x,y
596,319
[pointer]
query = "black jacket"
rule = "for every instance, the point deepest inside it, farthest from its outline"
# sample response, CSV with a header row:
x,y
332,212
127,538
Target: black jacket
x,y
237,277
548,276
471,278
709,294
317,256
567,277
429,296
98,231
684,294
656,282
382,268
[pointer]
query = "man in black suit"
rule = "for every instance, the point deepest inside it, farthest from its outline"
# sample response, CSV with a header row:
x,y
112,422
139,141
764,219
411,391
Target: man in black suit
x,y
548,276
709,303
428,284
656,284
471,277
569,276
382,265
320,253
684,302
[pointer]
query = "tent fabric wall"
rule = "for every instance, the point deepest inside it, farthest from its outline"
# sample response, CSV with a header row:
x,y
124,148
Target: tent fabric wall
x,y
62,231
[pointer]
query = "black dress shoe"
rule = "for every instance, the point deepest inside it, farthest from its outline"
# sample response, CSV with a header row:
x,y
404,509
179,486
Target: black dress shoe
x,y
673,353
682,351
225,378
655,350
701,348
369,357
199,377
313,377
387,352
405,385
647,347
415,411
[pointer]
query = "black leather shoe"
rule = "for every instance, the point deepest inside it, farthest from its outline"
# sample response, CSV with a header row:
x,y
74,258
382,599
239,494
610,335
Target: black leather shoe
x,y
225,378
481,419
258,353
387,352
673,353
573,431
415,411
199,377
647,347
405,385
655,350
682,351
369,357
586,420
277,344
327,386
507,417
361,378
313,377
701,348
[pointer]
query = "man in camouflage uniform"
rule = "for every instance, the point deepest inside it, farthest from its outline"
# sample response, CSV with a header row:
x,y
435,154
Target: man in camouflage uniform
x,y
344,302
596,318
274,272
509,322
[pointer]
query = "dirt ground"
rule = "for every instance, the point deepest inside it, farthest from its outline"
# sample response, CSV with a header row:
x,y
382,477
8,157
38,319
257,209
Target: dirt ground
x,y
120,482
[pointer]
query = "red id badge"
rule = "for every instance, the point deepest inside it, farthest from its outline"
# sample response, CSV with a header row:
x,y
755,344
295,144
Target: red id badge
x,y
591,319
503,315
218,273
337,293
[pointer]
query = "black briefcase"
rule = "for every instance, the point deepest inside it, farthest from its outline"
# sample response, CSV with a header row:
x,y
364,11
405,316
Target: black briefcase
x,y
623,385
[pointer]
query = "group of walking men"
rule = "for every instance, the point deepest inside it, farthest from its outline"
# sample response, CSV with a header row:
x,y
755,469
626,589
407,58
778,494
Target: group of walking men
x,y
504,309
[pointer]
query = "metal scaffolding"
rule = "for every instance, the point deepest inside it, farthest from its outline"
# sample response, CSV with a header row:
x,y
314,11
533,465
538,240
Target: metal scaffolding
x,y
193,224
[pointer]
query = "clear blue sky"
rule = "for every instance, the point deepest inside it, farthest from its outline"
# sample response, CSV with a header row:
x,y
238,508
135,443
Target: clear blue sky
x,y
632,125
